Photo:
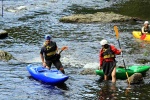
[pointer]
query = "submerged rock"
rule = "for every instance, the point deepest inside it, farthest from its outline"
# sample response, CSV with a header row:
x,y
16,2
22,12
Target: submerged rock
x,y
97,17
3,34
5,56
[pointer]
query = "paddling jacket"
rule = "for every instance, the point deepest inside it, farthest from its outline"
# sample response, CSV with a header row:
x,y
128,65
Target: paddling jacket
x,y
108,54
49,50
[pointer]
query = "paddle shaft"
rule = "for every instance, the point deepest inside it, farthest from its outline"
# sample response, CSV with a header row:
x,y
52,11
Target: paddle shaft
x,y
121,54
60,51
123,62
117,36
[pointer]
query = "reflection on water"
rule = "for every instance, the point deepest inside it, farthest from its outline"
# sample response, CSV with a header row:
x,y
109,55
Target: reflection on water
x,y
108,91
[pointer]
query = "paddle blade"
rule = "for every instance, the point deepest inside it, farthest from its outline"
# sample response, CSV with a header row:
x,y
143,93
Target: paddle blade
x,y
64,48
116,31
143,37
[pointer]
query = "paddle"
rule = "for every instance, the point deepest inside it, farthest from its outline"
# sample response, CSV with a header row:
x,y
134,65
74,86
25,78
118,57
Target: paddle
x,y
143,37
63,48
117,36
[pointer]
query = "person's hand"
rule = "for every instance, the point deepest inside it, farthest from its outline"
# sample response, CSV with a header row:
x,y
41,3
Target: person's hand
x,y
120,50
44,64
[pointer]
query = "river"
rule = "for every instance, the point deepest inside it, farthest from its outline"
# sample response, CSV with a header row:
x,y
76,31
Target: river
x,y
27,27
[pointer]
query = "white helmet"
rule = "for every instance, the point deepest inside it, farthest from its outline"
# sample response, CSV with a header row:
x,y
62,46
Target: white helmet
x,y
103,42
146,22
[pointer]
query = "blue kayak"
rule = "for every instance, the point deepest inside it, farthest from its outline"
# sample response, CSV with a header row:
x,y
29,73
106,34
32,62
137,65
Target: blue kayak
x,y
53,77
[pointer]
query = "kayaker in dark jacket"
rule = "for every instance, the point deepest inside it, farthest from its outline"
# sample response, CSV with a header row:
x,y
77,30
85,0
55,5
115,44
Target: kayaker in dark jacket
x,y
146,28
107,60
49,54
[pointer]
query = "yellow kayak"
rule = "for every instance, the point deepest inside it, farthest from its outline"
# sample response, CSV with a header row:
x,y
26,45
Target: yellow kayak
x,y
137,34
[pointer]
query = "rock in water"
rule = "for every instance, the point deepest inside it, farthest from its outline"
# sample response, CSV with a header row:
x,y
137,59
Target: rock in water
x,y
136,78
3,34
96,17
5,56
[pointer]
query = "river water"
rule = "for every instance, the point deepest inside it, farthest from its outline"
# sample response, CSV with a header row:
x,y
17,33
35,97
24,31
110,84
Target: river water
x,y
27,28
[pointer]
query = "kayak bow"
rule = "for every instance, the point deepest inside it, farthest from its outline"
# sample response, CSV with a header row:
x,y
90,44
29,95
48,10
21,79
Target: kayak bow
x,y
137,34
53,77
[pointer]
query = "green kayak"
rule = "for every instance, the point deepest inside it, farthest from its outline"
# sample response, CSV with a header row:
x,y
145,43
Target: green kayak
x,y
121,72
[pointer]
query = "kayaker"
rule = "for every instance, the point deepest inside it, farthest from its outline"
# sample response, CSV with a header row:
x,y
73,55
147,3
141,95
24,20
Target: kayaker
x,y
49,54
107,59
146,28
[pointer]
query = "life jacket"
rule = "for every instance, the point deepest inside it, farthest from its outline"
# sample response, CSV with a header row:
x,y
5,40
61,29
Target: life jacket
x,y
147,29
50,50
108,53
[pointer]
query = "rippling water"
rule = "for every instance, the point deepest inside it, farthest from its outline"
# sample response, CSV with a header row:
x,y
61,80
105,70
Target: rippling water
x,y
27,28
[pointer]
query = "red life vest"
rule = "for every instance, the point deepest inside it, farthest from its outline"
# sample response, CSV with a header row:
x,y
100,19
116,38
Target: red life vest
x,y
108,54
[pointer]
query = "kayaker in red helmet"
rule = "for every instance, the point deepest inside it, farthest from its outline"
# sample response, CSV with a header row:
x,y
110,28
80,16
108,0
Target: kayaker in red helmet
x,y
146,28
49,54
107,59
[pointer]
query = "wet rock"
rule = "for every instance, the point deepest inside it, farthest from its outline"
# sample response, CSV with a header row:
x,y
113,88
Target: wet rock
x,y
148,74
142,61
136,78
97,17
3,34
5,56
87,71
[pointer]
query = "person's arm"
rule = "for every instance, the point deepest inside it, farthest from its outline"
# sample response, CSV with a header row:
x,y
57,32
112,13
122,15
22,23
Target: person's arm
x,y
143,30
101,59
42,58
115,50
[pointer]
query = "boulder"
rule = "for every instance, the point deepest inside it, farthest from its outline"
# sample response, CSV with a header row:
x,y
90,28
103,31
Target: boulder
x,y
136,78
5,56
97,17
3,34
